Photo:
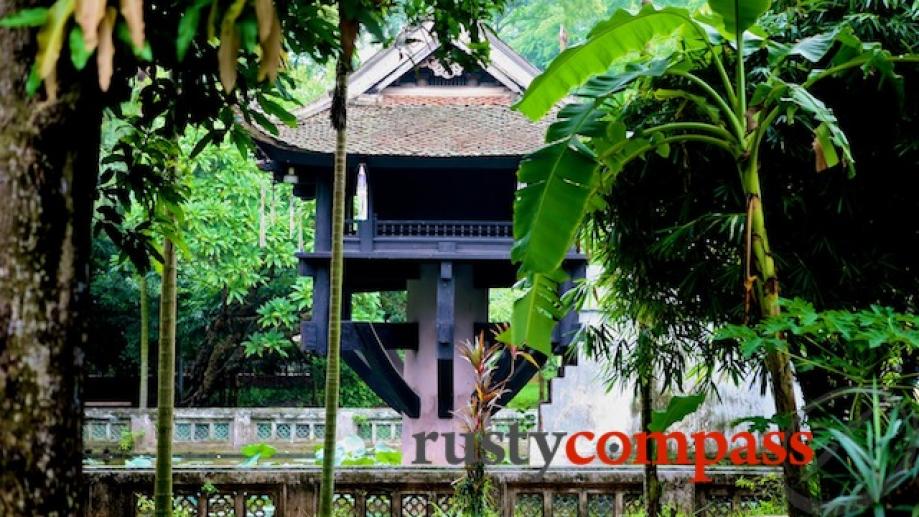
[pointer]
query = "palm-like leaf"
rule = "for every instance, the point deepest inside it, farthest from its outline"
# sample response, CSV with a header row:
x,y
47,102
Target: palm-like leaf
x,y
535,314
560,179
619,38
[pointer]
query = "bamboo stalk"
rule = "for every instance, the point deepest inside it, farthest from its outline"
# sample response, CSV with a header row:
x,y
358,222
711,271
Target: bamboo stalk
x,y
144,342
333,368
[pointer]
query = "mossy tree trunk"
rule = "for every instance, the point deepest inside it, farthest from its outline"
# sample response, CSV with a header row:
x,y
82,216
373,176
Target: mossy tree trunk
x,y
49,151
162,494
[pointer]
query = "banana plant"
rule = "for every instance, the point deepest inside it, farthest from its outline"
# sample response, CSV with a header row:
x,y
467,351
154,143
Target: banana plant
x,y
693,74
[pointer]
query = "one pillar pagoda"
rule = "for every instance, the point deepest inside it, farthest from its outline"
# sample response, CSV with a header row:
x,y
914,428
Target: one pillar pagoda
x,y
432,157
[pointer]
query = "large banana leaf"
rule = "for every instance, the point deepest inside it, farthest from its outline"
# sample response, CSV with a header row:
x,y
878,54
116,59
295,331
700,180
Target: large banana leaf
x,y
739,15
620,39
535,314
559,181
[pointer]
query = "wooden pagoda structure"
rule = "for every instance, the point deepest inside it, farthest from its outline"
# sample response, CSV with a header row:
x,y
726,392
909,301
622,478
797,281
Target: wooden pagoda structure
x,y
432,157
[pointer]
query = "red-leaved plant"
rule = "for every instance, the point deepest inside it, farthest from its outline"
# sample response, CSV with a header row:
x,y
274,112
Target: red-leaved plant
x,y
473,490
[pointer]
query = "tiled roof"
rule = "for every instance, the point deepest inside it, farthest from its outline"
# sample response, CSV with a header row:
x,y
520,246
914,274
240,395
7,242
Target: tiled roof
x,y
430,126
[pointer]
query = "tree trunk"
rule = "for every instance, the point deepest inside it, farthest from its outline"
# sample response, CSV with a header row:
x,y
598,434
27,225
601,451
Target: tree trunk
x,y
766,286
652,484
48,170
162,494
333,368
144,341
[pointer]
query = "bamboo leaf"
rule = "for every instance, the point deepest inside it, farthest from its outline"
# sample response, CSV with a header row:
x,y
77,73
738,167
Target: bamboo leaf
x,y
105,54
618,39
188,27
248,33
270,60
88,15
123,32
229,45
51,37
33,82
133,13
264,14
272,108
559,180
34,17
79,54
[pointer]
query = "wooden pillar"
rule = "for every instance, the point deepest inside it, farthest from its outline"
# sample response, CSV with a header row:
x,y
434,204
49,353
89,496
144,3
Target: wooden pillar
x,y
322,241
321,287
420,367
446,299
322,238
569,324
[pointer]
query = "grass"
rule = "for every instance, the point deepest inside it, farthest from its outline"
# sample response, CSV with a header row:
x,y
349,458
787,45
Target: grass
x,y
527,397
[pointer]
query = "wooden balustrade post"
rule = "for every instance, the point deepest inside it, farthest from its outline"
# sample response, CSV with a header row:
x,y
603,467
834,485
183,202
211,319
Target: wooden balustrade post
x,y
367,230
297,499
109,499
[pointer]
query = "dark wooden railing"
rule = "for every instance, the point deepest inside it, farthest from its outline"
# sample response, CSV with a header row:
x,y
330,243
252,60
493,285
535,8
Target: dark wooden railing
x,y
450,229
433,229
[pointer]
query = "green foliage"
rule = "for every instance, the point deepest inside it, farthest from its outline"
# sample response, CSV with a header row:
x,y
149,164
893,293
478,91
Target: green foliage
x,y
737,17
127,440
535,313
34,17
208,488
145,507
656,53
559,179
253,452
766,493
526,398
677,409
881,459
270,341
532,27
351,452
859,345
620,37
277,312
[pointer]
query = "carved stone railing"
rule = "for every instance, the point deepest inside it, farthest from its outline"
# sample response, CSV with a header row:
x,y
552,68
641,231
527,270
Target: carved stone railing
x,y
415,492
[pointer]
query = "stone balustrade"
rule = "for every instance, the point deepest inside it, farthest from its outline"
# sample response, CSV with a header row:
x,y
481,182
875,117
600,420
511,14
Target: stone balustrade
x,y
210,431
416,492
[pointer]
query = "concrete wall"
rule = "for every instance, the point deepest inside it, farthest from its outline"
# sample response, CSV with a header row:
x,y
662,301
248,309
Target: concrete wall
x,y
294,431
290,430
582,402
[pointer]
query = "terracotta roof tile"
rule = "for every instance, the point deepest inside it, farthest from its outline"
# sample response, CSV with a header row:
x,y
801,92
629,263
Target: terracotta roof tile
x,y
423,126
